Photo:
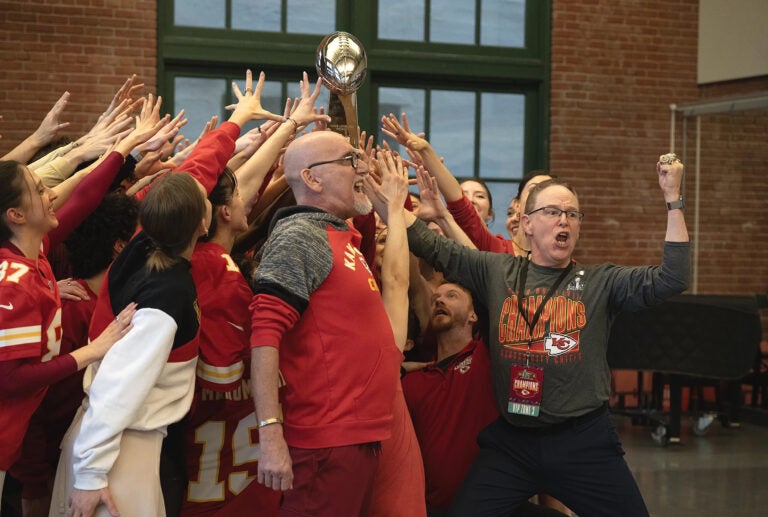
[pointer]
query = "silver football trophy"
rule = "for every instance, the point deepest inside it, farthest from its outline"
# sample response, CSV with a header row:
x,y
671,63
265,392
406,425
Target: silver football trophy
x,y
341,63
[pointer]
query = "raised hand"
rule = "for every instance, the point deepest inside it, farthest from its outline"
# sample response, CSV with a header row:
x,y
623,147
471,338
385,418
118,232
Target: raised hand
x,y
248,105
402,133
148,123
151,162
432,207
391,193
100,140
166,133
124,96
51,124
304,112
670,170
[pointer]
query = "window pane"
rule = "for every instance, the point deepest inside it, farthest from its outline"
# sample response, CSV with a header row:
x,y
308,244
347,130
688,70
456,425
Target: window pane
x,y
503,23
397,101
256,16
502,194
200,13
200,98
452,130
311,16
502,135
401,19
452,21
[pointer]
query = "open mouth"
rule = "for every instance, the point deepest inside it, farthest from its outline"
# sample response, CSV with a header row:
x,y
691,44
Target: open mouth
x,y
562,237
439,312
358,186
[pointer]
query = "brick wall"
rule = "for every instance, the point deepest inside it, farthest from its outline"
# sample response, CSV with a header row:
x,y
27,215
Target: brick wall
x,y
86,47
616,68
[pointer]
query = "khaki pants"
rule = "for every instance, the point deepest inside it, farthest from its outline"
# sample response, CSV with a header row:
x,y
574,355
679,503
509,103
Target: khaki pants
x,y
134,481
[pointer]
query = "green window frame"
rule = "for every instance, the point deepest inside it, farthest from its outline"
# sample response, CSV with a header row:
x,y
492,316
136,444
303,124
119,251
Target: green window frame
x,y
187,52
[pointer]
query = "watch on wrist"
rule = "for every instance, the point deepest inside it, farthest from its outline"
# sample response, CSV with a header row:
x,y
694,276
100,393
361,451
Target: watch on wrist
x,y
680,203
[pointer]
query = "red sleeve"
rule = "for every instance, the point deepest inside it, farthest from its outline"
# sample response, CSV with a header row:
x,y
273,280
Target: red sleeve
x,y
271,317
20,377
466,217
86,197
210,156
366,225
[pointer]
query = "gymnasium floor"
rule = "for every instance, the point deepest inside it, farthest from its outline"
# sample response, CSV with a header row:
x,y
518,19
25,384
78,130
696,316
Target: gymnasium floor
x,y
724,473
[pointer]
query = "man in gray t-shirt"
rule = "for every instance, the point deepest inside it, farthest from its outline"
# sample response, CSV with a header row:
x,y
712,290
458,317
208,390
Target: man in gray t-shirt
x,y
550,318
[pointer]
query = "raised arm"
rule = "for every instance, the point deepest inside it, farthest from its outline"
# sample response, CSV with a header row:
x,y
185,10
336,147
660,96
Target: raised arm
x,y
210,156
60,169
388,200
448,184
43,135
88,193
433,209
251,174
670,171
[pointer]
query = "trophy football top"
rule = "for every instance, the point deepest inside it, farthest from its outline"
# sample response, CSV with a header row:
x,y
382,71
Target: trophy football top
x,y
341,62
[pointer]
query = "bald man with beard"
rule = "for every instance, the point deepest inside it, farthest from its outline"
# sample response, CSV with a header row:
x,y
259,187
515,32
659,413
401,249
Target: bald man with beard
x,y
319,324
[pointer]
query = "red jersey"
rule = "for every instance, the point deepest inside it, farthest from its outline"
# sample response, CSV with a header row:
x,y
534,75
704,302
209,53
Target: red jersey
x,y
221,428
225,320
30,330
40,452
449,404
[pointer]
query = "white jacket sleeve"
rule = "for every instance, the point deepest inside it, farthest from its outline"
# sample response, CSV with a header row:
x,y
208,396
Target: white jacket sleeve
x,y
120,386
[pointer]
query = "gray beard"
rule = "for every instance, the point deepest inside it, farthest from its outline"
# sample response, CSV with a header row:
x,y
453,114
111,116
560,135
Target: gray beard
x,y
363,206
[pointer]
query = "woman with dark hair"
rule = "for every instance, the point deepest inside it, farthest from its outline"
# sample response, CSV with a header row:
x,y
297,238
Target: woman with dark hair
x,y
479,196
112,449
30,306
30,313
91,248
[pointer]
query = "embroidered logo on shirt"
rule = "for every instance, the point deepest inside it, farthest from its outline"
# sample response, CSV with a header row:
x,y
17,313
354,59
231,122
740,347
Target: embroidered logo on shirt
x,y
8,306
463,367
238,327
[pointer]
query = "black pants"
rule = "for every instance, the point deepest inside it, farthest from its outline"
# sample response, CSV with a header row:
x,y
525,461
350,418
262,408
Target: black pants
x,y
581,464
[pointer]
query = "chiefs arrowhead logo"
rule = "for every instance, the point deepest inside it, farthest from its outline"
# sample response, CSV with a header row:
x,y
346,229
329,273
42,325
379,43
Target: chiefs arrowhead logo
x,y
558,344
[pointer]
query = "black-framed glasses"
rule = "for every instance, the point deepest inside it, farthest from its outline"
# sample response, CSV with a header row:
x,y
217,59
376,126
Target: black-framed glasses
x,y
553,212
352,158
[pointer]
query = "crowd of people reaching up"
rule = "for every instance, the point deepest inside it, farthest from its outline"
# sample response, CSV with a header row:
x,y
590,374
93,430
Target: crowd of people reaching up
x,y
235,325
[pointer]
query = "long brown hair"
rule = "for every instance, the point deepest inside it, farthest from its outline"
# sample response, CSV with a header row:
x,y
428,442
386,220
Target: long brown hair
x,y
170,216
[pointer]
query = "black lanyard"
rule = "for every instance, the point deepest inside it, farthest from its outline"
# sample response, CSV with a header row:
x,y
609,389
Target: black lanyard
x,y
537,314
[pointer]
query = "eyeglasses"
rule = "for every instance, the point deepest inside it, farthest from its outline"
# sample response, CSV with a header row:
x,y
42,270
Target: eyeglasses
x,y
552,212
352,158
